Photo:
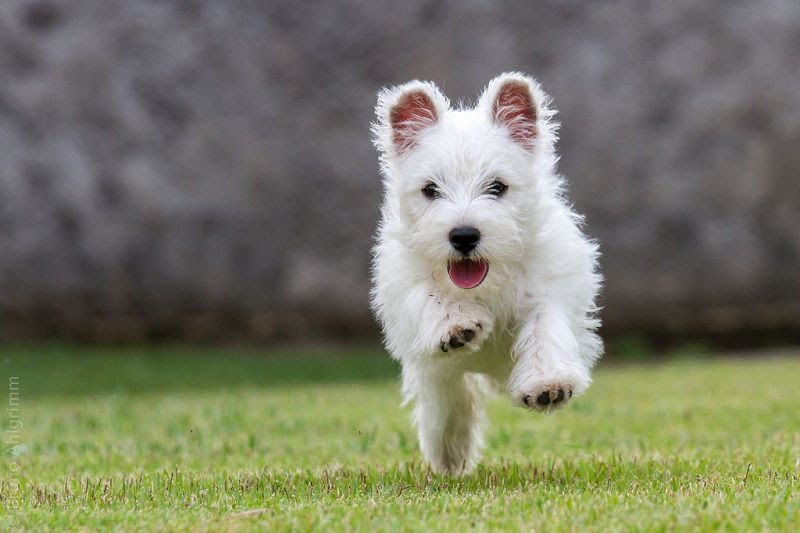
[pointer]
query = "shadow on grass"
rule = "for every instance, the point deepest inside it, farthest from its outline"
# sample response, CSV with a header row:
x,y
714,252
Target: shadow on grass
x,y
64,370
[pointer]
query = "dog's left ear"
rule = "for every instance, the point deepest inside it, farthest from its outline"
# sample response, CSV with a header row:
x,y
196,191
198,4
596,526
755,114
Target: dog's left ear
x,y
512,101
404,113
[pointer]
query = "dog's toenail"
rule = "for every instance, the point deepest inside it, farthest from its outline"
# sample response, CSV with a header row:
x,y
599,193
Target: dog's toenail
x,y
570,393
467,335
443,346
455,342
544,398
560,396
526,400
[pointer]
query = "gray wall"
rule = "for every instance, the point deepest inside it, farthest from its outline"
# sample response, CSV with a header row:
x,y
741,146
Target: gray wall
x,y
203,169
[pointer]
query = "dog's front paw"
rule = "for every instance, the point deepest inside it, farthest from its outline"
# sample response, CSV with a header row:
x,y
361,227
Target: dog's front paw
x,y
552,395
467,335
465,327
547,393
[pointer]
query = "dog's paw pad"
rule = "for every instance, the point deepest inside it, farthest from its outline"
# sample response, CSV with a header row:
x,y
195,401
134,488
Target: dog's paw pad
x,y
552,396
467,335
459,337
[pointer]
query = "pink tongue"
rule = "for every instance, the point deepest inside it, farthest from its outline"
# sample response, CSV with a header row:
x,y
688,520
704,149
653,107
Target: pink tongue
x,y
467,274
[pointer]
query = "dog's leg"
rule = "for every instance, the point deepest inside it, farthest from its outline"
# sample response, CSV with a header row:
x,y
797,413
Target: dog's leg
x,y
420,324
427,333
548,370
448,414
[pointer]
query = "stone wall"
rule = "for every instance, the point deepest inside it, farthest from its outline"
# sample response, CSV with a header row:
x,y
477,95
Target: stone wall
x,y
203,169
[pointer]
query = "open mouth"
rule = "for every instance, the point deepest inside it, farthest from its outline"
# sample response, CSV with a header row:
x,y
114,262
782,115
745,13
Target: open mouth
x,y
467,273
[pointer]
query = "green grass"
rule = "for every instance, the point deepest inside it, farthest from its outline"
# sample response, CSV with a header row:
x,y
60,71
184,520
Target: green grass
x,y
223,439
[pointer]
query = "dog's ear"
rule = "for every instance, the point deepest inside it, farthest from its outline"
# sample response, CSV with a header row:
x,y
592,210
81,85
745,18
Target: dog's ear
x,y
515,102
403,113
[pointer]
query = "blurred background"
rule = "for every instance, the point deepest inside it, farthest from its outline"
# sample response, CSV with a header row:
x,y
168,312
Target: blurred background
x,y
202,171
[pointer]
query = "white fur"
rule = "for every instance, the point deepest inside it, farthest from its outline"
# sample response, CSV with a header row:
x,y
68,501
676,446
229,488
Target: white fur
x,y
536,307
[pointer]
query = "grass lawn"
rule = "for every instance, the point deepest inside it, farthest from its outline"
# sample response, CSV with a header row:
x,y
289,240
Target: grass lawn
x,y
233,439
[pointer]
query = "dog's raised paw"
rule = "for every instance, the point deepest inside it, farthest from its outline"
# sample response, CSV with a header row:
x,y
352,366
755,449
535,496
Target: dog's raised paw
x,y
546,390
549,395
460,336
553,395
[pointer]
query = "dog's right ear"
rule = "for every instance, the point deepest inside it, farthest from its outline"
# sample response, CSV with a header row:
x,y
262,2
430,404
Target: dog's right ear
x,y
404,113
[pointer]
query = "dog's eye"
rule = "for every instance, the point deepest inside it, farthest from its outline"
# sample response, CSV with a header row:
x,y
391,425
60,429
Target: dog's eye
x,y
496,188
431,191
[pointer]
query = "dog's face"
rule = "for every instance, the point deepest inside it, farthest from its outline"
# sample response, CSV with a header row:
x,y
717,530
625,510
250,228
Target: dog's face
x,y
465,183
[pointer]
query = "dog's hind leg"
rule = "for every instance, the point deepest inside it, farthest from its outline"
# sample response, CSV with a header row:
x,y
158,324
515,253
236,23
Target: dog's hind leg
x,y
448,415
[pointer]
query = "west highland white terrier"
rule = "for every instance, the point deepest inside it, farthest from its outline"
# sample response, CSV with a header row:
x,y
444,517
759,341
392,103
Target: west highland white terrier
x,y
482,276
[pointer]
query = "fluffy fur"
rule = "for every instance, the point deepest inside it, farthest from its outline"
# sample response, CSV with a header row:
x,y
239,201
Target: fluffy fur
x,y
529,328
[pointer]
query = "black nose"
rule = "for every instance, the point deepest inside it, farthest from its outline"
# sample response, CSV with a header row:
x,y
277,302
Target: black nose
x,y
464,239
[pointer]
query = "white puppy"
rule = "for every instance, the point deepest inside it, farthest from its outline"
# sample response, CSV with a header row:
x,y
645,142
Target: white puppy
x,y
481,273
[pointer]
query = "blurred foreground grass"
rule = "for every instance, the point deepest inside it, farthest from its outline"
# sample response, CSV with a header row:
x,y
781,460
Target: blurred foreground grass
x,y
226,439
